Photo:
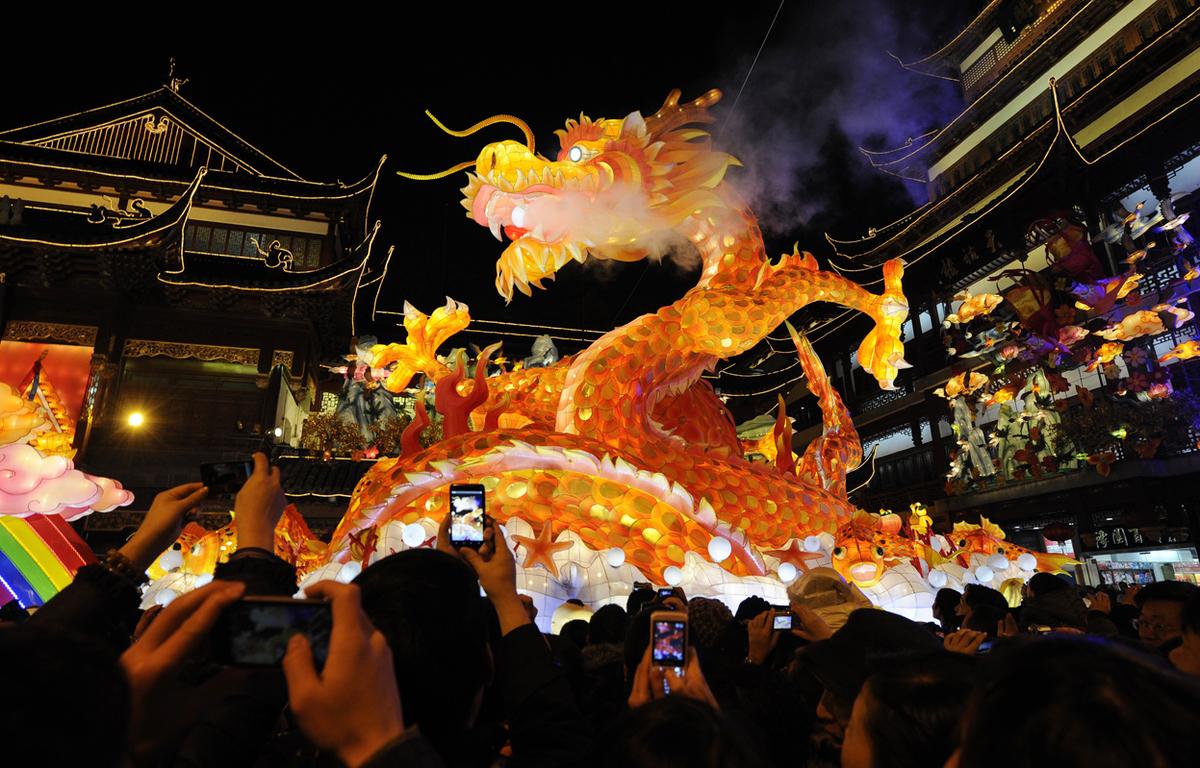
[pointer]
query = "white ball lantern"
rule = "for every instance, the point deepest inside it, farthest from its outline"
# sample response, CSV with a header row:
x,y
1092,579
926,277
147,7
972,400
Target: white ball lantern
x,y
201,580
165,596
937,579
1026,562
616,557
984,574
787,572
812,544
998,562
413,535
349,572
719,549
672,575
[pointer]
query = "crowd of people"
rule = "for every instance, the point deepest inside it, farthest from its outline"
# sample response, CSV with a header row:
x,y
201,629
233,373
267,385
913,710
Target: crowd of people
x,y
422,670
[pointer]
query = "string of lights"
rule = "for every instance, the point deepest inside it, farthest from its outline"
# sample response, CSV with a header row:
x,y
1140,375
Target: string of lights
x,y
982,97
1078,99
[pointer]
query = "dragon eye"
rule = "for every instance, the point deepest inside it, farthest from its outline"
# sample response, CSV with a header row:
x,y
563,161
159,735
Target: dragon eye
x,y
962,542
839,552
879,551
575,154
999,550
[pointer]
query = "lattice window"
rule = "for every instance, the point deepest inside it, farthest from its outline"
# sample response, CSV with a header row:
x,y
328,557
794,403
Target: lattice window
x,y
892,441
220,240
884,398
329,402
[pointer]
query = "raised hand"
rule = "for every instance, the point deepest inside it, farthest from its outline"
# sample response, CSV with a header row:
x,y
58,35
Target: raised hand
x,y
259,505
496,569
808,625
760,631
162,524
965,641
652,682
154,661
352,706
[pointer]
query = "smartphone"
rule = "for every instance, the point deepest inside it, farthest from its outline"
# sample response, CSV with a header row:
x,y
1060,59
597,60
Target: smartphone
x,y
783,617
254,631
467,508
225,478
665,592
985,646
668,638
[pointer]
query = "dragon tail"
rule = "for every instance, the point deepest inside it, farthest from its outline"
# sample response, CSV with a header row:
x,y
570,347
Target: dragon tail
x,y
838,450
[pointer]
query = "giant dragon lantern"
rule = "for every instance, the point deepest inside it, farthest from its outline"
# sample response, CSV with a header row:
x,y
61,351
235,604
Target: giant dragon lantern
x,y
620,463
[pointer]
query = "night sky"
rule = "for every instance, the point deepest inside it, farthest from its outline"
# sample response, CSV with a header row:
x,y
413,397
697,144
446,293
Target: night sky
x,y
326,97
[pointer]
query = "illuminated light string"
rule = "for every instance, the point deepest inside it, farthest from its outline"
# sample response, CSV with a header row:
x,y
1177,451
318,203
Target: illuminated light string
x,y
1127,62
949,234
386,263
1060,129
133,122
183,205
358,284
490,332
939,52
1028,175
980,98
126,117
833,241
353,190
476,320
173,94
773,352
370,242
906,145
867,460
371,198
922,72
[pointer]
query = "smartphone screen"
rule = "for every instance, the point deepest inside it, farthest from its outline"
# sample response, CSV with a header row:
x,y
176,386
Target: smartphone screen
x,y
254,631
665,592
783,617
466,515
225,478
669,647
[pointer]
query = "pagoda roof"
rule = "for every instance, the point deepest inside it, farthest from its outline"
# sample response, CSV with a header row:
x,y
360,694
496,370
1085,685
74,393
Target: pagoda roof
x,y
933,225
303,476
199,270
944,61
978,192
17,157
109,119
110,233
912,159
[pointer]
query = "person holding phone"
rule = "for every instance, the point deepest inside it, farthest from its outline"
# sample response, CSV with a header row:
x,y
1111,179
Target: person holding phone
x,y
545,726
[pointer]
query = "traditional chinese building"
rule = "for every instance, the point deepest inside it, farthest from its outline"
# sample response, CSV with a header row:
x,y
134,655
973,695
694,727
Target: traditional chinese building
x,y
174,288
1074,112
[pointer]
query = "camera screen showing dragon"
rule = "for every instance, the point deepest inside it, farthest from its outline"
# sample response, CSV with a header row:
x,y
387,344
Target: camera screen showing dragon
x,y
620,463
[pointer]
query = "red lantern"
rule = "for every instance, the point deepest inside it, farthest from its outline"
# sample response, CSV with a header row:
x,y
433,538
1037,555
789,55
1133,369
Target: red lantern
x,y
1059,532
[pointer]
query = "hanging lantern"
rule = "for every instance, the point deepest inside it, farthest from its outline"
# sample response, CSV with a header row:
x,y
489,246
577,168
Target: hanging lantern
x,y
1059,532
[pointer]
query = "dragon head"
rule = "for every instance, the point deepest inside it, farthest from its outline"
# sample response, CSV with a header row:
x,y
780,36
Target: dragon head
x,y
613,185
